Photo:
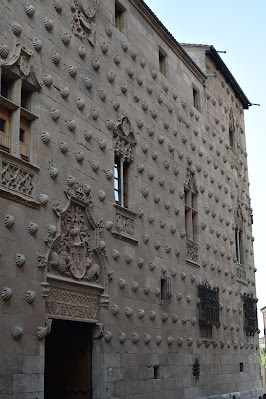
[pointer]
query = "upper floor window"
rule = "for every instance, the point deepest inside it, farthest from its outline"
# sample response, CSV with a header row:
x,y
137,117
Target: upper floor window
x,y
250,314
191,206
239,252
209,305
231,129
124,143
166,289
162,61
196,99
119,16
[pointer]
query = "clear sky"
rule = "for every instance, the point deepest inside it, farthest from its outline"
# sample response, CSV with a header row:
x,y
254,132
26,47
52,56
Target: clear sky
x,y
239,28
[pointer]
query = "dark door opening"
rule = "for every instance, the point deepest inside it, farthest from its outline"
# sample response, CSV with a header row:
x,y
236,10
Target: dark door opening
x,y
68,361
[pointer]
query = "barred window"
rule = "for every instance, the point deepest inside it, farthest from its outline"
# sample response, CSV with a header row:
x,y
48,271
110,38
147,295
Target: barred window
x,y
166,289
250,314
209,305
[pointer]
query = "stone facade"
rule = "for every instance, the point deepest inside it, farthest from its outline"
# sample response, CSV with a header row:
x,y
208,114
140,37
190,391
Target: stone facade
x,y
95,93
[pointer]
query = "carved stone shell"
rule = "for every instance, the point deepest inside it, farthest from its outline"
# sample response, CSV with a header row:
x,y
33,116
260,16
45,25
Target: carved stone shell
x,y
174,318
117,59
70,181
9,221
43,199
108,225
58,6
135,338
122,283
173,272
88,83
147,338
46,137
109,30
82,52
164,317
124,45
141,313
133,54
180,341
72,70
124,88
94,114
33,228
110,124
16,28
80,103
116,105
102,195
17,332
115,254
52,230
154,114
63,147
146,238
150,131
149,89
179,296
30,297
157,292
88,135
20,260
71,124
95,165
4,50
134,286
86,189
156,198
66,38
142,62
48,23
122,337
153,74
128,258
189,341
110,76
55,114
30,10
37,44
146,289
56,57
96,65
53,172
115,309
158,339
151,266
109,174
108,336
6,293
128,311
140,80
170,340
152,314
104,47
47,80
151,175
80,156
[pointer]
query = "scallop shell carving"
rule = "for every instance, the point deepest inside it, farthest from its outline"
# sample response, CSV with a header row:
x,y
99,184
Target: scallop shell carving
x,y
104,47
157,292
102,195
56,57
88,83
6,293
94,114
124,45
86,189
52,230
115,254
189,341
124,88
66,38
17,332
133,54
164,317
122,337
134,286
147,338
43,199
135,338
180,341
82,52
128,258
174,318
158,339
20,260
117,59
128,311
96,65
115,309
48,23
33,228
63,147
72,70
70,181
4,50
55,114
108,30
108,336
122,283
111,76
170,340
16,28
95,165
9,221
109,174
152,315
116,105
47,80
110,124
53,172
30,10
154,74
46,137
80,103
141,313
37,44
80,156
30,297
71,124
146,289
58,6
88,135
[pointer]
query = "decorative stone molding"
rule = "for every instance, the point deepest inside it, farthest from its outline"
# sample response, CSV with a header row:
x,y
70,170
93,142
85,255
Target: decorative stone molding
x,y
192,252
124,226
42,332
82,23
72,304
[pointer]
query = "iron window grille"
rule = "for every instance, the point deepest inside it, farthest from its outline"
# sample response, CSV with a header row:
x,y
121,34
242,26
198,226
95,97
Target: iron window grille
x,y
166,289
250,313
209,305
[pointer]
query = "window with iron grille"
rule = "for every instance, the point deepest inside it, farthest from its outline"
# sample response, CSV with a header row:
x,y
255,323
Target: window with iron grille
x,y
250,314
209,305
166,289
121,181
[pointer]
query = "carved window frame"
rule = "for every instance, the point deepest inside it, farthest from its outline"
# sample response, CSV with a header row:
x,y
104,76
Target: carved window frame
x,y
250,315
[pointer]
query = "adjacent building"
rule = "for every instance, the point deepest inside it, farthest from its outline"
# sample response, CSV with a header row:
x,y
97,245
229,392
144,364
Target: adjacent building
x,y
126,267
